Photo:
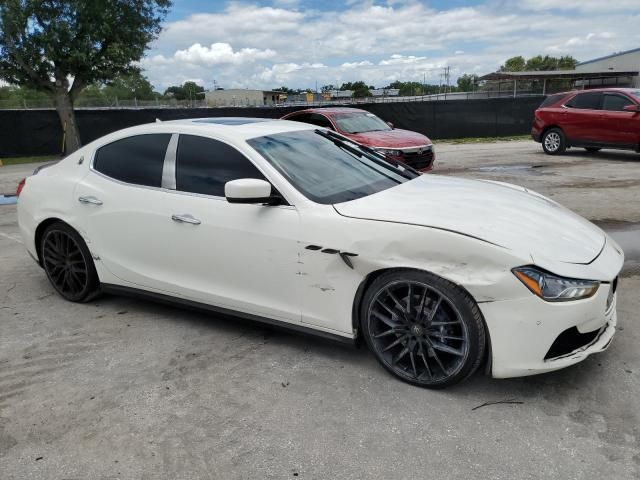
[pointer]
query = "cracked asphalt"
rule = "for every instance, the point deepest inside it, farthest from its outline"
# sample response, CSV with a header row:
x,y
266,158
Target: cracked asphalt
x,y
129,389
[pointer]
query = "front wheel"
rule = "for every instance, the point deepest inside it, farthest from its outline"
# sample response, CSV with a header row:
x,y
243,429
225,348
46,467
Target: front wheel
x,y
553,142
425,330
68,263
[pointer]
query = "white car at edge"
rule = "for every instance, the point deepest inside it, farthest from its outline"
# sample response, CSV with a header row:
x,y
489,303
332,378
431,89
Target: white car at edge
x,y
292,225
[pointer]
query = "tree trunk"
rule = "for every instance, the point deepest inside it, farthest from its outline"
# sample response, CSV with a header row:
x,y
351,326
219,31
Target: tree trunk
x,y
64,107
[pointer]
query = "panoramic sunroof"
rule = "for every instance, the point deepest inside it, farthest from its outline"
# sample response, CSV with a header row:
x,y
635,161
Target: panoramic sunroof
x,y
232,120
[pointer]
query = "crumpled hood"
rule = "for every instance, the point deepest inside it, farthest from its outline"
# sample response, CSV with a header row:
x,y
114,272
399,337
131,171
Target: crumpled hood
x,y
395,138
503,214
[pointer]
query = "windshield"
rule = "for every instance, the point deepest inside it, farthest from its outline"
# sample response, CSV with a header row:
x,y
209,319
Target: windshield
x,y
324,170
360,122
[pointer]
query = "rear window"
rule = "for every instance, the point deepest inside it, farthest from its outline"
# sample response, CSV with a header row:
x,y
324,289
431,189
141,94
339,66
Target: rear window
x,y
551,99
587,101
137,160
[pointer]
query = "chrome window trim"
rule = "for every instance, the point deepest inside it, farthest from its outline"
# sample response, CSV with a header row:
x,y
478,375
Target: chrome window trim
x,y
174,190
169,166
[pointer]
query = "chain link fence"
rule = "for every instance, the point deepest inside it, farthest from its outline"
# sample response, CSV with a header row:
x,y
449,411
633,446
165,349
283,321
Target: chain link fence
x,y
496,90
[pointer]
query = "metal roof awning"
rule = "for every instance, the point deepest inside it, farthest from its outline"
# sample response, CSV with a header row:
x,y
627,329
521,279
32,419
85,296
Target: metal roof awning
x,y
548,74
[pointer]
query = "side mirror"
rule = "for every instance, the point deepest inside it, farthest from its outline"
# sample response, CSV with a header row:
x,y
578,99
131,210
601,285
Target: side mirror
x,y
391,125
247,190
632,108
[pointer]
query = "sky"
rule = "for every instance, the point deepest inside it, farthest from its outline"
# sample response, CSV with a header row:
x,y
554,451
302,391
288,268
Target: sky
x,y
301,43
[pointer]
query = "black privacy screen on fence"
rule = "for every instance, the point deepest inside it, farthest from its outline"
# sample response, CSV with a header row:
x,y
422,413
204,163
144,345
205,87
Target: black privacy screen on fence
x,y
38,132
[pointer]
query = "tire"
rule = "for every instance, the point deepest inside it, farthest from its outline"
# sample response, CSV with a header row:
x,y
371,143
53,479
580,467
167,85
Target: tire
x,y
68,263
592,149
554,142
434,340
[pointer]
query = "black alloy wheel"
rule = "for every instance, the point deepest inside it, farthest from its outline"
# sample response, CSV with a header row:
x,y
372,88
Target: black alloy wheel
x,y
423,329
68,263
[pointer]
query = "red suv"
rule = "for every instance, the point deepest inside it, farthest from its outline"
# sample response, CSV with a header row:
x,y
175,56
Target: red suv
x,y
593,119
411,148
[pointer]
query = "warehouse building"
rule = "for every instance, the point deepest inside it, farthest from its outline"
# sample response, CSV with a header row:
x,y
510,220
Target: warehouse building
x,y
237,97
617,70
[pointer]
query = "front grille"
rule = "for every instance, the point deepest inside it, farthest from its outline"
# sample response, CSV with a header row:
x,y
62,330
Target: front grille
x,y
570,340
418,160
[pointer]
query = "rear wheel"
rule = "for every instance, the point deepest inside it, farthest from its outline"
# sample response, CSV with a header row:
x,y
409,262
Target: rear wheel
x,y
554,142
592,149
422,328
68,263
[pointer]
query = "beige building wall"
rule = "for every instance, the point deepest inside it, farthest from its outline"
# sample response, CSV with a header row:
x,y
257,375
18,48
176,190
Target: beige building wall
x,y
240,97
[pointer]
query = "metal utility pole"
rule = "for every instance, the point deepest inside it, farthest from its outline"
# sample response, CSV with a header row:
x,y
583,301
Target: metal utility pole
x,y
446,74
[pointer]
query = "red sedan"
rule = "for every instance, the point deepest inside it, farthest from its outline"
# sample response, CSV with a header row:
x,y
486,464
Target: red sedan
x,y
592,119
411,148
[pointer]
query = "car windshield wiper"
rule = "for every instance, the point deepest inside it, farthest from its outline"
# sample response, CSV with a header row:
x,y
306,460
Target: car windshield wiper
x,y
361,150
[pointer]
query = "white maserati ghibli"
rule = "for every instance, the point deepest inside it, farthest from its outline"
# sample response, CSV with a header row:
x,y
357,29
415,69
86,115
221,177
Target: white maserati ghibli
x,y
296,226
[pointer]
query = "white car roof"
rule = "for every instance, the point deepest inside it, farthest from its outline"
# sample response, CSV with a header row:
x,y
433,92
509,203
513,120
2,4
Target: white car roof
x,y
231,129
238,127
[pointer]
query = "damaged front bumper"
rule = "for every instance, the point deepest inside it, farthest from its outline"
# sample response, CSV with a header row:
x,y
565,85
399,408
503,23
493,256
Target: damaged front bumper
x,y
528,335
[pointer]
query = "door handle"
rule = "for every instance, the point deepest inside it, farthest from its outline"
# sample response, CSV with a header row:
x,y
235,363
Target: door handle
x,y
185,218
90,200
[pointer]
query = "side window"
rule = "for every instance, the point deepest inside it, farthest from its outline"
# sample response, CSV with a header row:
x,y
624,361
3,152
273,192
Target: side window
x,y
137,160
586,101
320,120
301,117
615,103
551,99
204,165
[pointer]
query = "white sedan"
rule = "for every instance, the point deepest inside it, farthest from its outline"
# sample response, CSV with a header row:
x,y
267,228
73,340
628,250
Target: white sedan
x,y
295,226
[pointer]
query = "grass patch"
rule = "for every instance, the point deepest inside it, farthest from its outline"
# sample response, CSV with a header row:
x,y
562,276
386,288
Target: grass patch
x,y
458,141
20,160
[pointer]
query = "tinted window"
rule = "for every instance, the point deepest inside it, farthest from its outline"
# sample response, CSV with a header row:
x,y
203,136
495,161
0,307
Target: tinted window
x,y
313,119
301,117
136,160
590,101
205,165
615,102
551,99
320,120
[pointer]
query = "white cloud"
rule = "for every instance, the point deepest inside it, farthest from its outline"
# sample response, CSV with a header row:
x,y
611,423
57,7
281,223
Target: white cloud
x,y
363,63
248,45
573,43
221,53
580,5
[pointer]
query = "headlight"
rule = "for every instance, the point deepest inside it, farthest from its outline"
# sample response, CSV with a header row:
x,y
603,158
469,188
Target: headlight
x,y
390,152
553,288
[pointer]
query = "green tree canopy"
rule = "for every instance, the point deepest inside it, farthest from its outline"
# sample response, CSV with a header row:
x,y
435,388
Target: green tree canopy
x,y
186,91
514,64
467,82
360,89
60,46
539,63
130,86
